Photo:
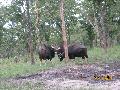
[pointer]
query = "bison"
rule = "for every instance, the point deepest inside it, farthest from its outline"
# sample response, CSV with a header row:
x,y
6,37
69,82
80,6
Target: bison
x,y
74,50
46,52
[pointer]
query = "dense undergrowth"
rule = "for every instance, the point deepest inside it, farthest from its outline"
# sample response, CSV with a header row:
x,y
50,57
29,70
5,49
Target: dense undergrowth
x,y
8,68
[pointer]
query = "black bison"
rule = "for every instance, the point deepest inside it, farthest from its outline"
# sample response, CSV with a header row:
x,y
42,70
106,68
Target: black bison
x,y
75,50
46,52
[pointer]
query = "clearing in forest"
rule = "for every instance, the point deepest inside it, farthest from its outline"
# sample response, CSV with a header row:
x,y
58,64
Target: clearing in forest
x,y
74,77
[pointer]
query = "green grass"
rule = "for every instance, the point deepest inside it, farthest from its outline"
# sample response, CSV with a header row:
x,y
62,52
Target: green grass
x,y
98,55
4,85
10,69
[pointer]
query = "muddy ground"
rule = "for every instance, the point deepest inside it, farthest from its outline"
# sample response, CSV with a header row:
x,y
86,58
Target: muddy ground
x,y
76,77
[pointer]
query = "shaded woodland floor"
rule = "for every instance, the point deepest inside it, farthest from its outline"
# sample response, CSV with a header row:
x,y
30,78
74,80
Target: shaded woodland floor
x,y
71,77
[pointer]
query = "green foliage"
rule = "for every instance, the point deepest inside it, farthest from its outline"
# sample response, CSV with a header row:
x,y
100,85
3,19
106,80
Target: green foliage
x,y
14,34
13,37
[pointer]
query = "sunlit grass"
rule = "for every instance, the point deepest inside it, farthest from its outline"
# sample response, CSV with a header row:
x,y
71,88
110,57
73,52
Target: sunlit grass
x,y
98,55
12,69
4,85
8,68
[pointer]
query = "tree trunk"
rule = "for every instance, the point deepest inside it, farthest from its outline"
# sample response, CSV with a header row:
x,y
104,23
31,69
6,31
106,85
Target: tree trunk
x,y
68,29
37,20
104,29
29,33
101,32
64,36
100,24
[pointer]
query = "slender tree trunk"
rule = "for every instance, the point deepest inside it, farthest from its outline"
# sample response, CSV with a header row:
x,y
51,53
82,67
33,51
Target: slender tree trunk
x,y
63,29
29,33
68,29
37,23
100,24
101,30
104,29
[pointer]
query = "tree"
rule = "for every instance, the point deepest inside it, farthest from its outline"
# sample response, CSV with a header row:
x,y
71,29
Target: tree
x,y
37,23
97,13
64,36
89,21
28,25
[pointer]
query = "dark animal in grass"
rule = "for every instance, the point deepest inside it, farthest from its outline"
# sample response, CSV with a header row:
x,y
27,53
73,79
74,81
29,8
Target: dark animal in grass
x,y
74,50
46,52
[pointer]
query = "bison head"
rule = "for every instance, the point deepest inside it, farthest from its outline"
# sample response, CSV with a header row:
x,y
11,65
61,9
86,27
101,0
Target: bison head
x,y
60,53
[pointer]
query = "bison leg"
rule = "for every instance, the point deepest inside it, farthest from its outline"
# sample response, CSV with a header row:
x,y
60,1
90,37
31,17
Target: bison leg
x,y
84,60
50,59
41,62
45,62
40,58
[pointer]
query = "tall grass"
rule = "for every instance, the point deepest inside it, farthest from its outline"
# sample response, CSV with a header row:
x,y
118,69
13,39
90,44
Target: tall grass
x,y
8,68
98,54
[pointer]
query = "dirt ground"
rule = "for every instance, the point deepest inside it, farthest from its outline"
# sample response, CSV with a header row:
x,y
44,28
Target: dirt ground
x,y
78,77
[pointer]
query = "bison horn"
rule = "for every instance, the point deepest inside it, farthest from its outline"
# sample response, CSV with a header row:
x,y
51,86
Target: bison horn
x,y
58,48
52,46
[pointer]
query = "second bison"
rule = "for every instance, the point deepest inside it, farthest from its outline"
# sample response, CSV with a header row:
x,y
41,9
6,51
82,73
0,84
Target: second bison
x,y
75,50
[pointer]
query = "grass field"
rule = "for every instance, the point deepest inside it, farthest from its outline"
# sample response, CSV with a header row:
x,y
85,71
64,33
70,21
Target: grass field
x,y
10,69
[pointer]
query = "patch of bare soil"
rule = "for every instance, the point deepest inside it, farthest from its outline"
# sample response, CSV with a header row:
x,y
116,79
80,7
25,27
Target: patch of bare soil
x,y
85,77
